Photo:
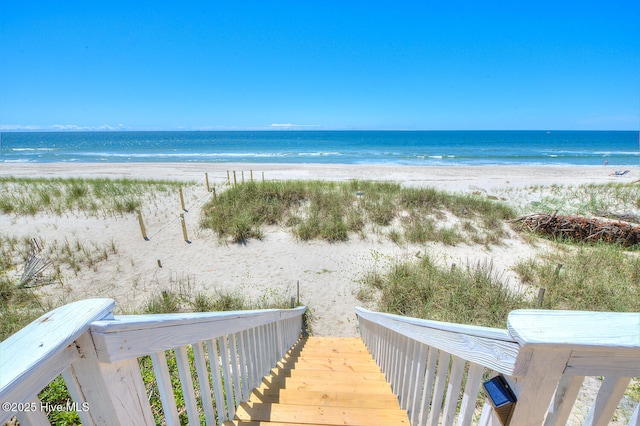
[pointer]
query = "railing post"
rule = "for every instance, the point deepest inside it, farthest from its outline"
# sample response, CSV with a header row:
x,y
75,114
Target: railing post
x,y
558,348
114,392
544,368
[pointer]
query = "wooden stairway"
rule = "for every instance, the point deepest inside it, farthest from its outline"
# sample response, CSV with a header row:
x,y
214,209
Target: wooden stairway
x,y
323,381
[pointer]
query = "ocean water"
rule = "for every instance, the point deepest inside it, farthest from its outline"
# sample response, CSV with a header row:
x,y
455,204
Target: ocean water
x,y
441,148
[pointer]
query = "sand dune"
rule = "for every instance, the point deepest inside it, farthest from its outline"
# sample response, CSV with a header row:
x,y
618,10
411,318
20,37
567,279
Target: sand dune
x,y
328,274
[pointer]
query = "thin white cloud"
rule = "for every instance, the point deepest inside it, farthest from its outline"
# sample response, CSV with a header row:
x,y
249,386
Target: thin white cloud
x,y
59,127
291,126
15,127
74,127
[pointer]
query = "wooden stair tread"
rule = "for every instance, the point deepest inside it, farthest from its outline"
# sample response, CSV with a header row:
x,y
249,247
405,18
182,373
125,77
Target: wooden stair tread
x,y
335,398
328,375
322,364
329,386
354,416
323,381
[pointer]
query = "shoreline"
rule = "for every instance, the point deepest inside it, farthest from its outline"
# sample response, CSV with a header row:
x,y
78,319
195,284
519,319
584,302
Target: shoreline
x,y
445,177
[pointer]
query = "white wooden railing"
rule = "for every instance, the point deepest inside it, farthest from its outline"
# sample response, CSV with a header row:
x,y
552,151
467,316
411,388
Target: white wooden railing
x,y
98,355
435,368
544,355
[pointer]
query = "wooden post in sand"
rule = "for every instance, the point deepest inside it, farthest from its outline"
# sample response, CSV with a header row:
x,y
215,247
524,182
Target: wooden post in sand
x,y
215,197
182,200
262,177
251,175
206,178
235,182
143,229
242,172
228,178
184,228
540,298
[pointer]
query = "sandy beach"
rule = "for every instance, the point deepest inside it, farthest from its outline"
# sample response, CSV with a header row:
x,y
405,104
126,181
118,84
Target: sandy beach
x,y
329,274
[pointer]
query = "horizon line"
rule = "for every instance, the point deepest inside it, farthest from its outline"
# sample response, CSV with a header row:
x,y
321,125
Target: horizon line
x,y
291,129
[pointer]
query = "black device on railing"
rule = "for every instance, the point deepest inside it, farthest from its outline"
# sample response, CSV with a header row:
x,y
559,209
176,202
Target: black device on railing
x,y
502,398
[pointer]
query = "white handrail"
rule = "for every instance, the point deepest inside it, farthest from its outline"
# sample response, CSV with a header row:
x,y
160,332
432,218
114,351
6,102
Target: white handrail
x,y
34,356
544,355
98,356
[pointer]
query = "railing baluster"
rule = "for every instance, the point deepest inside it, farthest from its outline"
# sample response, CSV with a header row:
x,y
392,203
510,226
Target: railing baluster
x,y
203,379
439,387
411,375
266,365
280,339
563,400
233,352
471,389
388,368
75,391
243,366
419,382
214,365
259,354
271,349
182,361
404,369
165,388
453,390
429,378
274,344
251,358
407,358
611,391
396,361
226,375
384,347
255,351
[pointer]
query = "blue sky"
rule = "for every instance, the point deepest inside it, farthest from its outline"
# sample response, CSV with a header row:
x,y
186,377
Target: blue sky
x,y
428,65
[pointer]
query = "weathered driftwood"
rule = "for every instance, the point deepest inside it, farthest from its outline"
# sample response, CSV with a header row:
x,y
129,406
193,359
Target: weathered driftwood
x,y
583,229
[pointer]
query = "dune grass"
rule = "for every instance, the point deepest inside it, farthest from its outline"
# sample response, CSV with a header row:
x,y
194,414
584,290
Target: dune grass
x,y
595,277
335,211
30,196
598,277
585,199
473,294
